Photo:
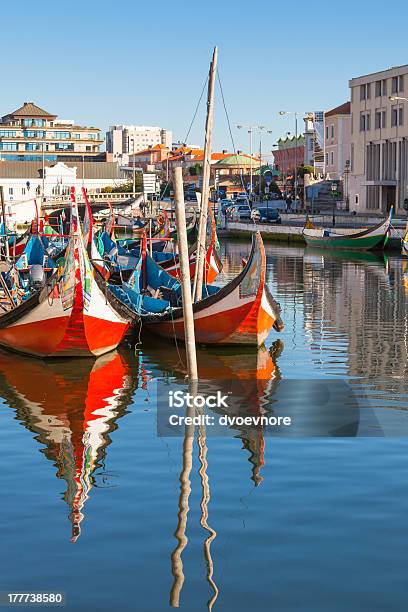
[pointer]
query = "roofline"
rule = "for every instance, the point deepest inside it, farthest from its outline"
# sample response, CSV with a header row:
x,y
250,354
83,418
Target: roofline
x,y
386,73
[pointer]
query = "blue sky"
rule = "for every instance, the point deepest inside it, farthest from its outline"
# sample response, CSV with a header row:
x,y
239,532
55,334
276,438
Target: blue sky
x,y
130,62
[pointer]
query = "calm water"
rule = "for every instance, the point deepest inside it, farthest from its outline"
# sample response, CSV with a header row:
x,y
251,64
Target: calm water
x,y
91,502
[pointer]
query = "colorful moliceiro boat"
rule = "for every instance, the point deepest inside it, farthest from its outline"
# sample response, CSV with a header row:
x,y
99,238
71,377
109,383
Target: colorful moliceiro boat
x,y
371,238
61,311
242,312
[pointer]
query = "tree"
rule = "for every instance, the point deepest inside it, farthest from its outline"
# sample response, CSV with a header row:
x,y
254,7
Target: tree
x,y
127,187
302,170
195,170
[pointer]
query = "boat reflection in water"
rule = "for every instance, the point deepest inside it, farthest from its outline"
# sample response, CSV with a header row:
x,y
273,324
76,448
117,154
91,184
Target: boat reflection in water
x,y
72,407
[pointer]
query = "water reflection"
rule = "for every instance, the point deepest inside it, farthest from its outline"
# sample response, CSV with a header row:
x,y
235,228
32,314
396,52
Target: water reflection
x,y
72,408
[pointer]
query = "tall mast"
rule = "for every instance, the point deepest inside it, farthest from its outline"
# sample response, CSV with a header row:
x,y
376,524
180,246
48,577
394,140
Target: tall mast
x,y
202,230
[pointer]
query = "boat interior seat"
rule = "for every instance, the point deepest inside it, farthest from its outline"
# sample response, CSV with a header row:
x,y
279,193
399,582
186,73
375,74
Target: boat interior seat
x,y
154,304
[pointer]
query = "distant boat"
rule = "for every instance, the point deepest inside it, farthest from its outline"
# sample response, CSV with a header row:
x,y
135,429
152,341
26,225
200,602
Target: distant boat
x,y
372,238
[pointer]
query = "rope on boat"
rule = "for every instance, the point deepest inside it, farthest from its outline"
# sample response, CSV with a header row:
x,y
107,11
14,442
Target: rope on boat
x,y
229,126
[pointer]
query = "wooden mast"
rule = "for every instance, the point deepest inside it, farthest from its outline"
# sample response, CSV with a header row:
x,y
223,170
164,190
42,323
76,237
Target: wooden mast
x,y
3,212
199,271
185,275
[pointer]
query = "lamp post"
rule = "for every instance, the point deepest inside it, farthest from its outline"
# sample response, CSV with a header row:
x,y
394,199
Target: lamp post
x,y
333,187
251,129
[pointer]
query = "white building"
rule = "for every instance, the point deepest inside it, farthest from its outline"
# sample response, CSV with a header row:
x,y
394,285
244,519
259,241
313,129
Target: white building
x,y
379,141
337,133
313,135
24,181
123,140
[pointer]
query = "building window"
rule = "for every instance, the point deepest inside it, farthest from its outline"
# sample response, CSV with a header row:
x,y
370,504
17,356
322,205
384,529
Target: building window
x,y
327,159
397,84
332,158
327,132
397,116
33,146
365,91
379,119
381,88
8,146
34,122
92,136
23,191
365,122
10,191
62,135
332,131
77,136
64,146
34,134
7,133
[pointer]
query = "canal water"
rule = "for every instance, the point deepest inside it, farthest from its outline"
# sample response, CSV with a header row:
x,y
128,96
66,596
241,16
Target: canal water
x,y
96,505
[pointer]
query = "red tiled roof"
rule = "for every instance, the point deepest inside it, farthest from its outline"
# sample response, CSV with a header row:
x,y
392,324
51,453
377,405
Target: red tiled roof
x,y
343,109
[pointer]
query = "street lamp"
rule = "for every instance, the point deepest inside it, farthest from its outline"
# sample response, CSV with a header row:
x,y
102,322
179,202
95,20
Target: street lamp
x,y
393,98
333,187
251,128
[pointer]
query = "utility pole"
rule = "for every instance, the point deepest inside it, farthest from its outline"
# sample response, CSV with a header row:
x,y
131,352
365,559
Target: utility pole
x,y
202,230
185,274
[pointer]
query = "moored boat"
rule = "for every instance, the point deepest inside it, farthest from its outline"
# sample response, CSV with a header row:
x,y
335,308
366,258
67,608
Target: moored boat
x,y
51,311
242,312
371,238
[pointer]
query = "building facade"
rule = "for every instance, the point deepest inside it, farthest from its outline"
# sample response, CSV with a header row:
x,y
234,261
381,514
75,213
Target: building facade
x,y
337,132
314,136
379,141
31,134
24,181
289,154
124,140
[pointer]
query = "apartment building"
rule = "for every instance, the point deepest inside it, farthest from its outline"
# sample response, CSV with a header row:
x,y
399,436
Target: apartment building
x,y
124,140
379,141
337,132
32,134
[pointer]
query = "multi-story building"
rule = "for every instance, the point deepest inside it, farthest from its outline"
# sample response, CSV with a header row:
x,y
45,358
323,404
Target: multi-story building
x,y
124,140
32,134
379,141
289,154
337,141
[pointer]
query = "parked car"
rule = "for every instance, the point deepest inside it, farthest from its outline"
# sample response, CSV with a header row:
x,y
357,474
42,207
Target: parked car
x,y
263,214
239,212
225,203
190,196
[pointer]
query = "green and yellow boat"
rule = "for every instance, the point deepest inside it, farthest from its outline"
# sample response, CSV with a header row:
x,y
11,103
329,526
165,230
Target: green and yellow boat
x,y
360,240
